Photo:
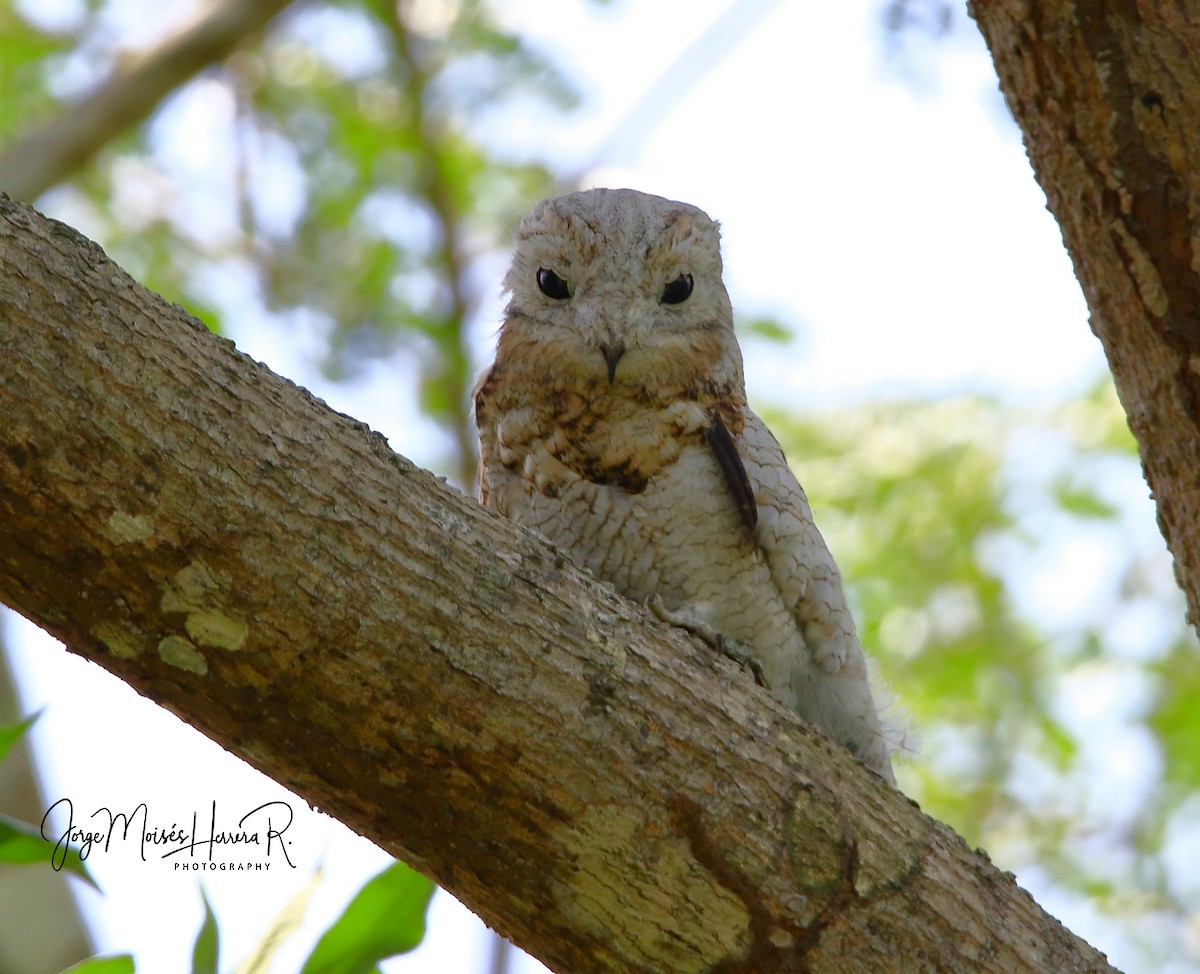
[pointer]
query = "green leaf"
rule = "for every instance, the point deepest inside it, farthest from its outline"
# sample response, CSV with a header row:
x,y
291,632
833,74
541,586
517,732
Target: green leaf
x,y
121,964
21,842
1081,501
11,733
207,948
770,329
385,918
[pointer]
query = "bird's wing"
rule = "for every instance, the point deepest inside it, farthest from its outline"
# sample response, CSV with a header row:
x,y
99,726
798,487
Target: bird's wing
x,y
801,566
835,692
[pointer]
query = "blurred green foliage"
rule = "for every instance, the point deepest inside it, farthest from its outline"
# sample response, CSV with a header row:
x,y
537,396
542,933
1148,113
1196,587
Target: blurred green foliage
x,y
385,918
1003,561
22,843
206,950
26,54
122,964
326,176
950,520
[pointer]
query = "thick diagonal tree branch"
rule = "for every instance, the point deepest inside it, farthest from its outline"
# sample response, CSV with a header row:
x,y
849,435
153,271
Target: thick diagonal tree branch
x,y
600,789
64,144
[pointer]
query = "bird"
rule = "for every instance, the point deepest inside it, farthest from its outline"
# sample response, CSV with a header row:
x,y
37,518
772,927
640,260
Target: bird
x,y
613,420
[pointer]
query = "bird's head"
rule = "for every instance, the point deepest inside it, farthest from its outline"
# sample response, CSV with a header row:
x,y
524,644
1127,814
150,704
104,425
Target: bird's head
x,y
620,287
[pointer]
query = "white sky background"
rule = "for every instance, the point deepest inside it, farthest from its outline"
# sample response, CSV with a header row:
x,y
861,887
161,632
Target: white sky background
x,y
889,217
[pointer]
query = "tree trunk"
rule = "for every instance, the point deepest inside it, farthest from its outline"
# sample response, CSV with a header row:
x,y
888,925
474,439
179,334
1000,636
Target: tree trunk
x,y
1108,98
601,789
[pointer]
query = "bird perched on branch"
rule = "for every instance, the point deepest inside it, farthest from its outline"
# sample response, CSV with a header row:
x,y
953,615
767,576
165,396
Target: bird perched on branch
x,y
614,421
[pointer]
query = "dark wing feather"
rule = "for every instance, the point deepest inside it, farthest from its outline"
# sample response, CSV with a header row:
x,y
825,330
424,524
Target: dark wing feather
x,y
725,450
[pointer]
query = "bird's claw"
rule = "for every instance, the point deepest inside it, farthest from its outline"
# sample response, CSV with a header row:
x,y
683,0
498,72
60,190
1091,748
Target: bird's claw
x,y
698,627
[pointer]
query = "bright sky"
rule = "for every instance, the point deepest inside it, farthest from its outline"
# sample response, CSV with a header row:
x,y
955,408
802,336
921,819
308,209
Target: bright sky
x,y
886,213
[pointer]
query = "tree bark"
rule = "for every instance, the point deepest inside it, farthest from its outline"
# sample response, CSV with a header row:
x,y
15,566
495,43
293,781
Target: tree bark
x,y
1108,98
601,789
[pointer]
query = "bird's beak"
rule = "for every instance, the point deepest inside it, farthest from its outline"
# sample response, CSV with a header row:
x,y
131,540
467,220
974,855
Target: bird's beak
x,y
612,355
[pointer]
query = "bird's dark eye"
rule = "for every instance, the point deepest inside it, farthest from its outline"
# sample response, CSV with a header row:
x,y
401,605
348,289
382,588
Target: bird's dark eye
x,y
676,291
552,285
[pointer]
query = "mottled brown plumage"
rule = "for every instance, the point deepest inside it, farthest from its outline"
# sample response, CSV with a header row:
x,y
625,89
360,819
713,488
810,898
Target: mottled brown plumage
x,y
614,421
